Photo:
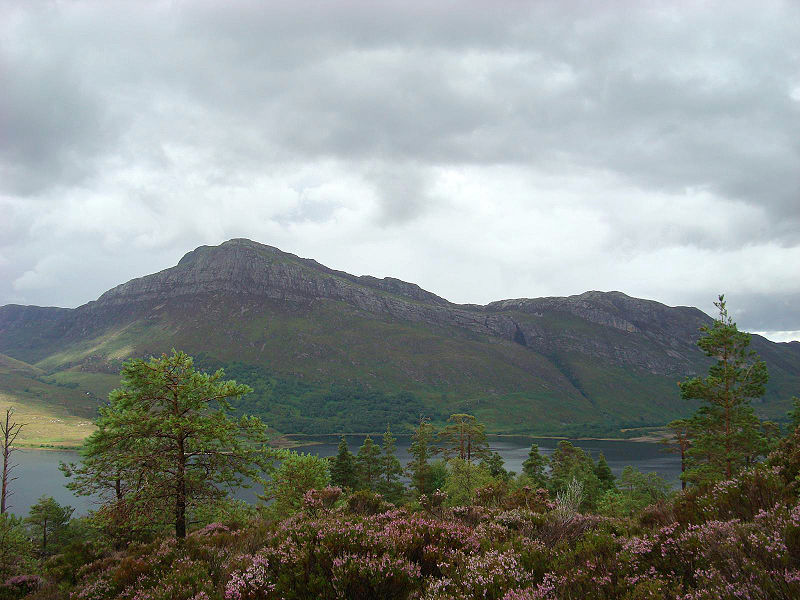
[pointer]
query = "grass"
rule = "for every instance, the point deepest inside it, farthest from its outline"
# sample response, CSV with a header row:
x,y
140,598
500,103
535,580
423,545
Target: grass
x,y
46,426
97,384
448,369
56,413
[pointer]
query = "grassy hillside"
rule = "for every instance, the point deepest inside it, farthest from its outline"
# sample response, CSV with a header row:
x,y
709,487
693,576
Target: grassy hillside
x,y
329,352
55,413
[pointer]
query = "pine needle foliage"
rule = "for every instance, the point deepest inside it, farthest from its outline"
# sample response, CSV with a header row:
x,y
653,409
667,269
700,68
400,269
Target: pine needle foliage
x,y
727,435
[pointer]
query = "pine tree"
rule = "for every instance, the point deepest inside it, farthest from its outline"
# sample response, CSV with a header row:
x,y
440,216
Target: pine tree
x,y
165,443
726,434
534,467
419,469
390,485
343,467
368,465
772,435
604,474
494,464
47,519
464,437
679,443
794,414
569,462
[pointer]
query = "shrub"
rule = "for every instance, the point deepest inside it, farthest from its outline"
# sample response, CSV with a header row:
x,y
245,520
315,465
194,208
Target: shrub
x,y
319,500
365,502
19,586
368,549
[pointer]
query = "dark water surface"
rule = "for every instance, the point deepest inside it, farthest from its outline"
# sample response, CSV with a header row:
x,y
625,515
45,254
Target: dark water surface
x,y
38,472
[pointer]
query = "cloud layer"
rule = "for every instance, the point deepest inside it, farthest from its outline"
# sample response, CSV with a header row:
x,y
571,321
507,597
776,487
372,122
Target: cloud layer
x,y
524,150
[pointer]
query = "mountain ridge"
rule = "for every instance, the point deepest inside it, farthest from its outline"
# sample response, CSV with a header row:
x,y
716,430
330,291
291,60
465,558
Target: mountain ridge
x,y
595,357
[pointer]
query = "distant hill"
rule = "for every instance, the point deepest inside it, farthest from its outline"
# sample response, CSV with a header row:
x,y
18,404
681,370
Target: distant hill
x,y
326,351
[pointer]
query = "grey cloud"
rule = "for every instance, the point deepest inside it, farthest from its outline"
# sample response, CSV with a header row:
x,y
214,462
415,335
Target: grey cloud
x,y
403,192
672,101
764,312
53,128
667,98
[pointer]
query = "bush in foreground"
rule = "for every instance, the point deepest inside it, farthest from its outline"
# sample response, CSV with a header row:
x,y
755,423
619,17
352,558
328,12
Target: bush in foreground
x,y
461,552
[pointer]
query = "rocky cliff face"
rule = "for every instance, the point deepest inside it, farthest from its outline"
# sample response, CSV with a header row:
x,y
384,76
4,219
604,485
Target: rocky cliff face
x,y
649,334
244,267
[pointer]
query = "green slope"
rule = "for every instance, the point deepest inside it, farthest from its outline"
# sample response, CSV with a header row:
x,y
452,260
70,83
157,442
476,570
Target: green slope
x,y
56,412
326,351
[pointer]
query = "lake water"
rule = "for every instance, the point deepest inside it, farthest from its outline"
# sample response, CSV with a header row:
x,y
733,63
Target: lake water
x,y
37,471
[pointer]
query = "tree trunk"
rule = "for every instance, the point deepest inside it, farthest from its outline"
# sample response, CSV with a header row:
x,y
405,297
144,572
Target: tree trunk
x,y
4,490
8,438
683,467
728,435
180,495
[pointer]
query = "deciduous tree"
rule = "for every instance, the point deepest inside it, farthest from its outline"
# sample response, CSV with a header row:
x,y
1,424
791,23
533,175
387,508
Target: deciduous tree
x,y
9,431
16,549
569,462
463,478
292,478
634,491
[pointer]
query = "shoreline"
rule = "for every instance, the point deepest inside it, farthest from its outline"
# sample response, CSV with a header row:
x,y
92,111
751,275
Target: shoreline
x,y
645,439
296,440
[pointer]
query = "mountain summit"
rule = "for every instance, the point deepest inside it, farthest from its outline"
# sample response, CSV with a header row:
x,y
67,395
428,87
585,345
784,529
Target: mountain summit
x,y
309,338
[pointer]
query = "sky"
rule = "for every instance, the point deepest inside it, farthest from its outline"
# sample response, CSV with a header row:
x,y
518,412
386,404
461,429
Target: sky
x,y
484,150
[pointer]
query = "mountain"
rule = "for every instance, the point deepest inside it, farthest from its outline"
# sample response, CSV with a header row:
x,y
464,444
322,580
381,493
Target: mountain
x,y
328,351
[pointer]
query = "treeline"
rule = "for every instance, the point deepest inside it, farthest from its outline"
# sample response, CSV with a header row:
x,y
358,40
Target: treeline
x,y
291,405
454,466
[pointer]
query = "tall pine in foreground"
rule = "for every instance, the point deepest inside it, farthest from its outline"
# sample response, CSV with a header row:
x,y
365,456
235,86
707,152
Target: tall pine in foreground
x,y
726,434
165,445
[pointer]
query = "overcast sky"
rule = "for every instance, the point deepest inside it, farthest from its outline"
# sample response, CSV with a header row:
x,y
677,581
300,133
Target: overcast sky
x,y
483,150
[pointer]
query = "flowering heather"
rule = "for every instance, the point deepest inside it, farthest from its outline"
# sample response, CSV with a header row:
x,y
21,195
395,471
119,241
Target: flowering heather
x,y
736,539
19,585
464,552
